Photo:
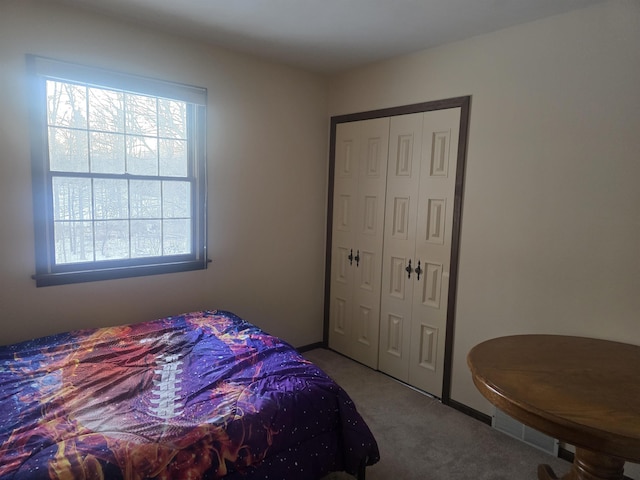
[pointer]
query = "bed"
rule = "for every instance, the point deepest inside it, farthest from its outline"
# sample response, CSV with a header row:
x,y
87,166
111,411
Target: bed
x,y
203,395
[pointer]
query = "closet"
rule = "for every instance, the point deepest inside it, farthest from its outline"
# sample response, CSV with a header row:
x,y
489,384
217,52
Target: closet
x,y
394,237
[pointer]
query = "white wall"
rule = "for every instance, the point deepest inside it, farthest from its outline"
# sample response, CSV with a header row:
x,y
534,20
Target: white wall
x,y
551,214
267,150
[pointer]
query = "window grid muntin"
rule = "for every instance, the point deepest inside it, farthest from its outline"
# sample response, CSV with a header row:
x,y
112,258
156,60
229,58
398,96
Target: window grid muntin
x,y
189,125
93,219
125,133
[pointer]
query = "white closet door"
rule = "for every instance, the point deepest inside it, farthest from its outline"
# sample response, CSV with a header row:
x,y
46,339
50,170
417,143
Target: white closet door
x,y
358,227
403,178
345,194
419,222
440,133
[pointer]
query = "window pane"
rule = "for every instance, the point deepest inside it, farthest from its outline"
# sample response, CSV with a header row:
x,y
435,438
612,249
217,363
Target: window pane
x,y
176,199
176,235
71,198
146,238
145,197
142,155
111,197
68,150
172,118
141,115
66,104
106,110
107,152
173,158
112,240
73,242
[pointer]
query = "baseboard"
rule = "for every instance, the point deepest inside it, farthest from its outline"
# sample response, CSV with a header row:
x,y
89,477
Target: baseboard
x,y
472,412
313,346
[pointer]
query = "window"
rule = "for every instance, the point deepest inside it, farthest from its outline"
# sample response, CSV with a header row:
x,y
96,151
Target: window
x,y
118,166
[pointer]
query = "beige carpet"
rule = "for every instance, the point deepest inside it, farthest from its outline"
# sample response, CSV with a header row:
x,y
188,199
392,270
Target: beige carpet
x,y
419,438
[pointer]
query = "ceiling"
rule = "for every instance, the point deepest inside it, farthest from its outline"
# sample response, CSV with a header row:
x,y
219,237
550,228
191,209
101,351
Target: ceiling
x,y
330,35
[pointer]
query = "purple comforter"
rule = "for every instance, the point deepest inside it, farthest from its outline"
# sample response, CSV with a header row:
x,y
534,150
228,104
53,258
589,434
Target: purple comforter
x,y
201,395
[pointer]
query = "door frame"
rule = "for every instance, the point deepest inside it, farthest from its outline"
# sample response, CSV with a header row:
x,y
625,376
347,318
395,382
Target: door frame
x,y
464,103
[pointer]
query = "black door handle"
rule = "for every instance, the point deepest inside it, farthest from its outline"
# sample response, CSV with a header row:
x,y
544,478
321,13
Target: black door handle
x,y
418,270
350,257
408,269
357,258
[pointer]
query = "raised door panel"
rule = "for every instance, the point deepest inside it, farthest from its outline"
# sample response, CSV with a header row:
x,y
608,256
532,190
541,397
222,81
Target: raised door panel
x,y
403,176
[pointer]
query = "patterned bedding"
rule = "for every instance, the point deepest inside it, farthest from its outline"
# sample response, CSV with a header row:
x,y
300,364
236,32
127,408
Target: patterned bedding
x,y
200,395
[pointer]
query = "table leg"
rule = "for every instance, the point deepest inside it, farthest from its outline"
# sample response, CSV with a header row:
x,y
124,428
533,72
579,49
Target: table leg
x,y
588,465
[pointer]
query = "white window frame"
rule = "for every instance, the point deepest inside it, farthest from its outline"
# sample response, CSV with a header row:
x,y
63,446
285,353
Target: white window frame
x,y
40,70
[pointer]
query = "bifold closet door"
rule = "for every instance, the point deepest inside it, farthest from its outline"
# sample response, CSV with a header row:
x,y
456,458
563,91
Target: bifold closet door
x,y
361,153
423,150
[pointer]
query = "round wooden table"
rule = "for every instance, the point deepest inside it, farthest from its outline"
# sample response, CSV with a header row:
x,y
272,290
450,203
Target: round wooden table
x,y
583,391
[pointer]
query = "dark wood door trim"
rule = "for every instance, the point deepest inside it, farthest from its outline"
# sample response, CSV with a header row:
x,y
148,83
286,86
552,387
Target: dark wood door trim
x,y
464,103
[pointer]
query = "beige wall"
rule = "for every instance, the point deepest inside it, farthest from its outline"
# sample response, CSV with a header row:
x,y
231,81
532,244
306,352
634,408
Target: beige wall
x,y
551,214
267,150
